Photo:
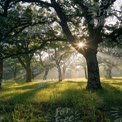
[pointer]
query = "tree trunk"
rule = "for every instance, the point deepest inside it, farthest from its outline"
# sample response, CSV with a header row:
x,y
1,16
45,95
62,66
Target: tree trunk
x,y
93,70
63,72
108,72
28,74
45,74
27,66
85,72
59,74
1,72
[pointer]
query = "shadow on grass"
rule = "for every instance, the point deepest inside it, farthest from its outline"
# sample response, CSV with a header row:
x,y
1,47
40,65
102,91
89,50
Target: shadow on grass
x,y
77,82
91,105
110,95
21,93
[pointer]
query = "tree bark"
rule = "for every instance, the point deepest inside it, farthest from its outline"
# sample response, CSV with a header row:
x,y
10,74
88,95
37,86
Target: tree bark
x,y
1,72
93,70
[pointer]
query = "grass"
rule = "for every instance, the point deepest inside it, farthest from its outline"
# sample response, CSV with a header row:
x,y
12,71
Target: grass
x,y
40,101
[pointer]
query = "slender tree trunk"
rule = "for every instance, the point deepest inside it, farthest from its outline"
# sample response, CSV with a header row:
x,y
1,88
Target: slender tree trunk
x,y
93,70
108,73
85,72
63,72
45,74
1,72
59,74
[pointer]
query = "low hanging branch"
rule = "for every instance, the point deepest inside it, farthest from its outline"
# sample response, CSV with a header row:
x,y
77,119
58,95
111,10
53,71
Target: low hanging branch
x,y
8,55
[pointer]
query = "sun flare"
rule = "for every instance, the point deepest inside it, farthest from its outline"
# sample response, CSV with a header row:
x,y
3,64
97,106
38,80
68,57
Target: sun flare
x,y
81,44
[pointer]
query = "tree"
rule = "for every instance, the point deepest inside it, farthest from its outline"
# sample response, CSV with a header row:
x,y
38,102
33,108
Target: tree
x,y
110,57
26,41
58,52
9,27
89,12
66,63
81,62
12,66
18,19
45,62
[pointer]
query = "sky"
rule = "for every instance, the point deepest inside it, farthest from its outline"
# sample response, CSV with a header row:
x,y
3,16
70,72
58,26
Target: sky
x,y
116,6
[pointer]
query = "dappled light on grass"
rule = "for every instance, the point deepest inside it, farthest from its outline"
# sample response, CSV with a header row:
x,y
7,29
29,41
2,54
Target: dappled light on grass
x,y
38,100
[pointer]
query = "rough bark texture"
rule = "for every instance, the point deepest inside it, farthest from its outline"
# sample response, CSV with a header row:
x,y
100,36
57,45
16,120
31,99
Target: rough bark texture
x,y
93,71
1,72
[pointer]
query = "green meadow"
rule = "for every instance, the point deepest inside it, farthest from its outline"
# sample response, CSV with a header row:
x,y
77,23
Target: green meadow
x,y
66,101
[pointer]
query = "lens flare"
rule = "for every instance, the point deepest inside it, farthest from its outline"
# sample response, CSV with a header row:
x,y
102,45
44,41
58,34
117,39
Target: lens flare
x,y
81,44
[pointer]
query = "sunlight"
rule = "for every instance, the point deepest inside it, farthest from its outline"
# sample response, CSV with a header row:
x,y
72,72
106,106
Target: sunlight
x,y
81,44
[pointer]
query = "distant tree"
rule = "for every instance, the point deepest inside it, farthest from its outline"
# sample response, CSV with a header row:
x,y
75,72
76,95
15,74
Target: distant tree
x,y
19,19
26,41
45,62
66,63
9,27
12,66
110,57
59,51
83,64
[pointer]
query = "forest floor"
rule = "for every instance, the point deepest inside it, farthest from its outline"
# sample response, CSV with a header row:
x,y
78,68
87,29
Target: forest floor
x,y
66,101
